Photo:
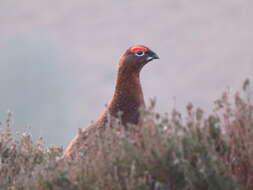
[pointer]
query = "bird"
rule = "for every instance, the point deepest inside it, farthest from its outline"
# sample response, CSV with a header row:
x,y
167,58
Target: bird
x,y
127,99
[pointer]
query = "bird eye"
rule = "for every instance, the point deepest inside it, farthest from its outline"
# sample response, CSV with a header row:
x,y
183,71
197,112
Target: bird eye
x,y
139,53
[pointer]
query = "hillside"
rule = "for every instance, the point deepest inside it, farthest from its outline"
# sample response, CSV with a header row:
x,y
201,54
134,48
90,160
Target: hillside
x,y
167,151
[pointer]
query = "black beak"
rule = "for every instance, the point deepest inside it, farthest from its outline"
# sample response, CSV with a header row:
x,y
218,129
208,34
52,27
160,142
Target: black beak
x,y
152,57
155,56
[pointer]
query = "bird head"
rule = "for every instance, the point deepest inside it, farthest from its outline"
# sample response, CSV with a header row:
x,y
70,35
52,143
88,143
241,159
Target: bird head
x,y
136,57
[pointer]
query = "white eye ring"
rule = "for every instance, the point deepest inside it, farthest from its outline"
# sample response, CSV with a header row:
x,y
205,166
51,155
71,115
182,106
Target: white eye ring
x,y
139,53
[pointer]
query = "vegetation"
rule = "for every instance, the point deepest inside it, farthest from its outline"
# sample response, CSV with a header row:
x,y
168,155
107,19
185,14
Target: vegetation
x,y
164,152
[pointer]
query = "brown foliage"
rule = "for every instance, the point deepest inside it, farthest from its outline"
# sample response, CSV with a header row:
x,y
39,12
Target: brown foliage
x,y
163,152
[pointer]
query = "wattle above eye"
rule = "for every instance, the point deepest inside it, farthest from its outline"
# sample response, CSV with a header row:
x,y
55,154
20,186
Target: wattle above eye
x,y
139,53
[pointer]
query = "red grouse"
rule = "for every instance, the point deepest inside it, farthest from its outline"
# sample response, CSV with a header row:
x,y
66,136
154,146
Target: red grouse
x,y
127,98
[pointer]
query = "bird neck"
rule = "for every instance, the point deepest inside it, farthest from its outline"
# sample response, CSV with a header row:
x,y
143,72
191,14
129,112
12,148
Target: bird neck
x,y
128,84
128,96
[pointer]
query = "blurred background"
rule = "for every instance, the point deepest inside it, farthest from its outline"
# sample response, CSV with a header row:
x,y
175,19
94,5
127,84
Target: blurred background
x,y
58,59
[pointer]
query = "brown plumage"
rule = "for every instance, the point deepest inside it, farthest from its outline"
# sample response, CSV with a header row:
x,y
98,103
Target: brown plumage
x,y
127,99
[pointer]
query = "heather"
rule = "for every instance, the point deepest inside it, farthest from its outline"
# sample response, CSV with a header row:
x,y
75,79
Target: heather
x,y
172,151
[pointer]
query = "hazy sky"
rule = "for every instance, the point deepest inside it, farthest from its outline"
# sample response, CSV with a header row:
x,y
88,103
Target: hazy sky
x,y
58,59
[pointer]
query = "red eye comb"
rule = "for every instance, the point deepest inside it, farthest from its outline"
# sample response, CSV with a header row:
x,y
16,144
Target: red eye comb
x,y
138,48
